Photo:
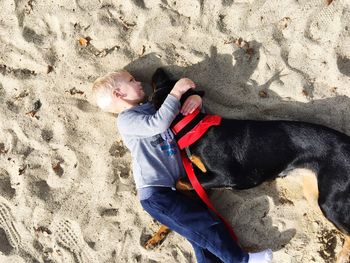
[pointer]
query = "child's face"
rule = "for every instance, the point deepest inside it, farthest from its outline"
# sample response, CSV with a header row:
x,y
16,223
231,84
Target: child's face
x,y
129,89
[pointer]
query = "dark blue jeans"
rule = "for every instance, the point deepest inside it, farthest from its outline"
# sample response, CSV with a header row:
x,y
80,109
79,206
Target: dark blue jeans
x,y
191,218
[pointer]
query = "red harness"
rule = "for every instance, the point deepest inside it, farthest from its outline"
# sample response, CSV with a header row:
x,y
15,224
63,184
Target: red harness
x,y
193,135
189,138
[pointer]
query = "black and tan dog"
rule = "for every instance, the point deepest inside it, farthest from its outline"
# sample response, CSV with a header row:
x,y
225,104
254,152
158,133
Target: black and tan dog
x,y
244,153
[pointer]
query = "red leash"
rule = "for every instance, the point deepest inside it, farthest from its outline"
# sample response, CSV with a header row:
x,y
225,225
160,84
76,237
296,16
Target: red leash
x,y
202,194
189,138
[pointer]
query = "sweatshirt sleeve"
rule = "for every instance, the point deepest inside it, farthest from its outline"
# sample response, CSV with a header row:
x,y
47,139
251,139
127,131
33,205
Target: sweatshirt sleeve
x,y
143,125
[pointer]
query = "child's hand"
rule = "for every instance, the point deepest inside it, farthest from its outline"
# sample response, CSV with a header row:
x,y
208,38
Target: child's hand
x,y
181,86
191,103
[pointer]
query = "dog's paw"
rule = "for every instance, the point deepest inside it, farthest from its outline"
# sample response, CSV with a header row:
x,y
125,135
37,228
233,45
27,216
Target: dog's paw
x,y
157,238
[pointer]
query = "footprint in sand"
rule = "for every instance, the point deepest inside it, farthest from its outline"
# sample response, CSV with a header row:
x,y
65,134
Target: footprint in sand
x,y
343,46
259,228
68,234
343,64
47,135
118,149
6,189
322,22
122,172
64,166
64,161
15,233
318,15
7,223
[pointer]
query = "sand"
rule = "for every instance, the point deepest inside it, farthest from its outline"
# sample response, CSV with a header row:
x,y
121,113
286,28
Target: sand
x,y
67,193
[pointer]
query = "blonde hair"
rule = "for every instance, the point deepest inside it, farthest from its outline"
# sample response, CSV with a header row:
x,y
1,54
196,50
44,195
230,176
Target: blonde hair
x,y
102,89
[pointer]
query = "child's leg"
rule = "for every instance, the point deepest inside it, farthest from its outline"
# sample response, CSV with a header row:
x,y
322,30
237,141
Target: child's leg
x,y
203,255
193,220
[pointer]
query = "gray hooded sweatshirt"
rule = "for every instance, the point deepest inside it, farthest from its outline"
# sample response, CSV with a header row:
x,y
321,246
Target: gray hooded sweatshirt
x,y
155,155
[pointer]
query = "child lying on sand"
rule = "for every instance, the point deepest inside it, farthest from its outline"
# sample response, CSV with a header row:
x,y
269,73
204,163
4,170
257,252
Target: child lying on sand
x,y
157,165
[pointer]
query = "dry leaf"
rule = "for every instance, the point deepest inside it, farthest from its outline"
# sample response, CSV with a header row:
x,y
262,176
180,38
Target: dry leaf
x,y
37,106
284,22
32,113
238,42
142,50
263,94
22,170
84,41
74,91
334,89
2,148
57,168
22,95
49,69
329,2
229,42
43,230
126,24
250,52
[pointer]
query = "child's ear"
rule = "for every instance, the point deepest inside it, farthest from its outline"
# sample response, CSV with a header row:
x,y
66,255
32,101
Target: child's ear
x,y
116,93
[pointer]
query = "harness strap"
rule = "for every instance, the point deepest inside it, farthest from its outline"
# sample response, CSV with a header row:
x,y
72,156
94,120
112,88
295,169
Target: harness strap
x,y
190,126
189,138
193,135
184,121
202,194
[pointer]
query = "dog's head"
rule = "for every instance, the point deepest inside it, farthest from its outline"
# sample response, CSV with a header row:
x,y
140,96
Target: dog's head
x,y
162,85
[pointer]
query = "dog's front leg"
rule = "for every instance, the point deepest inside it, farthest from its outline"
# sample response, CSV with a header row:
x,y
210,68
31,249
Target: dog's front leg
x,y
208,180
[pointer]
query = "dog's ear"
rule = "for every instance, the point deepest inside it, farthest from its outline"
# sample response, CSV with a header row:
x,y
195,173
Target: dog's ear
x,y
200,93
159,78
191,92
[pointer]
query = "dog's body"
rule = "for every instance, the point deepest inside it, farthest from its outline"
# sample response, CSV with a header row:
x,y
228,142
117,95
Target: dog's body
x,y
244,153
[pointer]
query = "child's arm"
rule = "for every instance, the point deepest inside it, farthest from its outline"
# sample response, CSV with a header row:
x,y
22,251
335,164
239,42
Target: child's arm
x,y
143,125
